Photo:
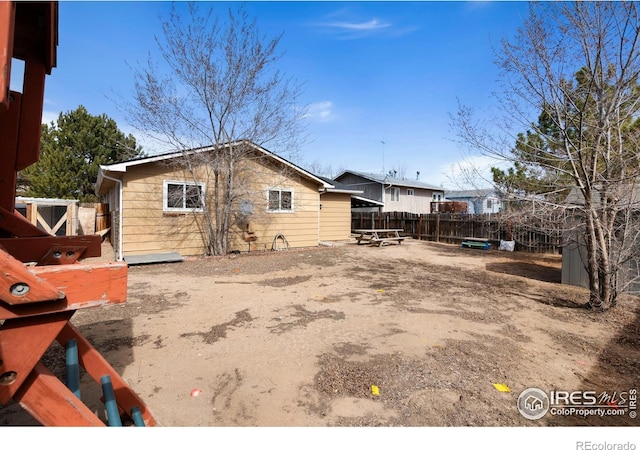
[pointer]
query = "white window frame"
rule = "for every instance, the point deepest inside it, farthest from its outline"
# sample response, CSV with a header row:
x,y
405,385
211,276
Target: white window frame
x,y
280,210
411,192
184,184
394,193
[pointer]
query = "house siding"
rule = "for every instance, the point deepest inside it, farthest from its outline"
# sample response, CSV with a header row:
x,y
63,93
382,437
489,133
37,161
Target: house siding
x,y
300,227
370,189
335,217
147,229
481,205
418,203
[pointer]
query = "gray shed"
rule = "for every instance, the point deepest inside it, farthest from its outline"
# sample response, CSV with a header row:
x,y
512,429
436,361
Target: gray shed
x,y
574,255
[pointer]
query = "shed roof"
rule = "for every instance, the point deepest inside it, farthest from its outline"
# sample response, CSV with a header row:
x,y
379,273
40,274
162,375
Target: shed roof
x,y
627,195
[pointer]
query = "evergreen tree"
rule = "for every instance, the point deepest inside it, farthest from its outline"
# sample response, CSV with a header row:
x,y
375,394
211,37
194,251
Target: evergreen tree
x,y
71,152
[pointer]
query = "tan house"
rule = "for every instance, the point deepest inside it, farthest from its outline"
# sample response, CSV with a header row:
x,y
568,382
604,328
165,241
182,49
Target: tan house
x,y
158,205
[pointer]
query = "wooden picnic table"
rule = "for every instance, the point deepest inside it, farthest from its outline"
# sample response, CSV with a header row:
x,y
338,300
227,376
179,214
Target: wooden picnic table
x,y
379,236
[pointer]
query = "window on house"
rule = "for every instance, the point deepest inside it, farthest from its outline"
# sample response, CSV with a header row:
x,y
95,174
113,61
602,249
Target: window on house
x,y
410,192
489,203
395,194
437,197
280,200
183,196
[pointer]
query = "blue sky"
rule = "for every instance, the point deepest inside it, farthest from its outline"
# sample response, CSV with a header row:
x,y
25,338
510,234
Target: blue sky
x,y
371,72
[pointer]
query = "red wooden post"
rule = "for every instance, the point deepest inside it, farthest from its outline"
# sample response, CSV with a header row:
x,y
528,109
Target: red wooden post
x,y
7,19
49,401
37,302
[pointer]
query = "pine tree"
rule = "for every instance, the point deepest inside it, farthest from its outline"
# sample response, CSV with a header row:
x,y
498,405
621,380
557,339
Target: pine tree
x,y
71,151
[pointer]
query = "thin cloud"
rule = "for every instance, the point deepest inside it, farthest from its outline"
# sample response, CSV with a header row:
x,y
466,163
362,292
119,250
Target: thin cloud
x,y
372,25
355,29
320,111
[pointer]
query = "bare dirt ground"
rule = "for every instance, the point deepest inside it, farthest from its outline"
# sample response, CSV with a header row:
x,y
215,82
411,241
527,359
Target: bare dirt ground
x,y
298,338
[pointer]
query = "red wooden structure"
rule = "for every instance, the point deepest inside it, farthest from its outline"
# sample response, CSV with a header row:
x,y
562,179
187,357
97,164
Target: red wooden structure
x,y
41,282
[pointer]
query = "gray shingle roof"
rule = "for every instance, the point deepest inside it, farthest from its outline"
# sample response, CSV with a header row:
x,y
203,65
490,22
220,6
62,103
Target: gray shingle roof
x,y
386,179
340,187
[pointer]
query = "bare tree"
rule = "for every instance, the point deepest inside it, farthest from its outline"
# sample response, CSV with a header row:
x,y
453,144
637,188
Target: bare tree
x,y
318,167
574,67
217,89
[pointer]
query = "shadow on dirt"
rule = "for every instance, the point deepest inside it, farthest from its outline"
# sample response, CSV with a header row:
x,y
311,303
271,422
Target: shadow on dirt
x,y
114,339
562,302
615,378
527,270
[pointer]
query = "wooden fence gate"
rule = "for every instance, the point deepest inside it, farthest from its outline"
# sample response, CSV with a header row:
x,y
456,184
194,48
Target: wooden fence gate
x,y
56,217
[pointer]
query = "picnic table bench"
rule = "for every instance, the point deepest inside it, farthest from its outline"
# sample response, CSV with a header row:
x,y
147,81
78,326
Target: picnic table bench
x,y
472,242
379,236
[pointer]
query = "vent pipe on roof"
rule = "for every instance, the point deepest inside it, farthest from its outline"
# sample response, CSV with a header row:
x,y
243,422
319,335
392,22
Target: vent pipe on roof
x,y
418,175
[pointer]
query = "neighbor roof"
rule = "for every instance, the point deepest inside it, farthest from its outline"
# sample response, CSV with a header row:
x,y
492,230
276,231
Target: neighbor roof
x,y
340,188
393,181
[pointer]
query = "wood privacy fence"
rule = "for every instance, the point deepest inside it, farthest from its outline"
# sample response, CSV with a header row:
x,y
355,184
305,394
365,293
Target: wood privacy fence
x,y
94,218
453,228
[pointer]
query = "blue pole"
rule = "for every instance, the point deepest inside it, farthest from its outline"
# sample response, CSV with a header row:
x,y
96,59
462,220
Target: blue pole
x,y
136,415
113,415
72,367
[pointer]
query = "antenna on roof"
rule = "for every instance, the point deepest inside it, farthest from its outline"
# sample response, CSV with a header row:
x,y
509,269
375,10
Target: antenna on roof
x,y
383,144
417,175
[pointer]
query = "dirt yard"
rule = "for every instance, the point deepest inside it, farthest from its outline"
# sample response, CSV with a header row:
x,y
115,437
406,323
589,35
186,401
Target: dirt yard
x,y
298,338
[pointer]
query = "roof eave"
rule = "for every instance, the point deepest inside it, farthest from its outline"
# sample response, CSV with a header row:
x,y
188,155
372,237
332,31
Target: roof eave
x,y
122,167
344,191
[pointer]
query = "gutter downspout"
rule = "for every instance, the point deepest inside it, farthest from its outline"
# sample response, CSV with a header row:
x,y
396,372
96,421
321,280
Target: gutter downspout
x,y
119,252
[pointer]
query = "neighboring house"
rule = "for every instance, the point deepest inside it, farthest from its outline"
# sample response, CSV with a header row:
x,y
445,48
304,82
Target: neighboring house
x,y
156,208
388,193
479,201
